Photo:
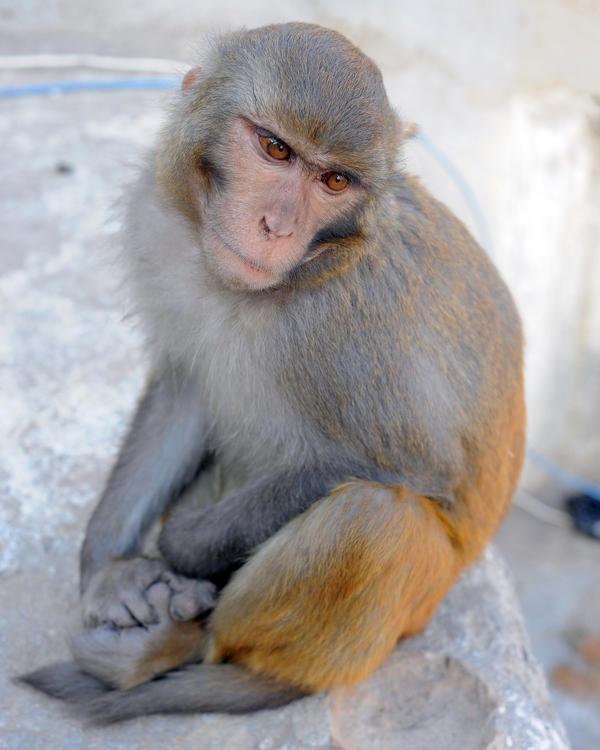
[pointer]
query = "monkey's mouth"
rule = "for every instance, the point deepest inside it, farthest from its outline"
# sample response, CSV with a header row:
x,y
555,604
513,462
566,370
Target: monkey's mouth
x,y
248,262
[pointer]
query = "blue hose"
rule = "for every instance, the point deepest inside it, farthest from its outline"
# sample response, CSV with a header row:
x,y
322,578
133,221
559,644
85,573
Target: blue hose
x,y
95,84
463,186
574,482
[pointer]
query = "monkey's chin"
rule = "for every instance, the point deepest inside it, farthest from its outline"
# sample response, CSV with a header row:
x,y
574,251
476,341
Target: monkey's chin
x,y
238,272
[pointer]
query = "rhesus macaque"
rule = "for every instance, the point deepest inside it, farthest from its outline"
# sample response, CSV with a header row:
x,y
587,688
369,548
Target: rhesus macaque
x,y
333,423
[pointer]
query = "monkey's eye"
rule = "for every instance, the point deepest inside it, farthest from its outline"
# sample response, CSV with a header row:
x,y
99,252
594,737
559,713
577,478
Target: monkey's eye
x,y
274,147
335,181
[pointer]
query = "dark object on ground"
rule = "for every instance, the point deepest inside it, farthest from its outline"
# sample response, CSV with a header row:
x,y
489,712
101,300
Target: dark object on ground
x,y
585,513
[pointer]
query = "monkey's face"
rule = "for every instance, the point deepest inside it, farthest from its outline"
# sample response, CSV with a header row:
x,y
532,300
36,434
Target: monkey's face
x,y
277,196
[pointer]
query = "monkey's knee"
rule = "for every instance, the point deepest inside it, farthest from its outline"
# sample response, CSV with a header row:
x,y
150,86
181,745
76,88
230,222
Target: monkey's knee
x,y
326,598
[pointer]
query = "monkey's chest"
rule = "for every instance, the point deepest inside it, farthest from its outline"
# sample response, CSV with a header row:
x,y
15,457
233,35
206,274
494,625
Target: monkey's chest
x,y
251,424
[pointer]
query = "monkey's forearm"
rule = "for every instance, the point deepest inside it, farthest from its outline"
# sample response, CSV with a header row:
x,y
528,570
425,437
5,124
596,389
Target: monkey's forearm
x,y
162,450
201,542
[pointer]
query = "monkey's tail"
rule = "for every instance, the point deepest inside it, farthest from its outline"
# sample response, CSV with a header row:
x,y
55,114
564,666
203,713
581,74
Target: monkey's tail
x,y
207,688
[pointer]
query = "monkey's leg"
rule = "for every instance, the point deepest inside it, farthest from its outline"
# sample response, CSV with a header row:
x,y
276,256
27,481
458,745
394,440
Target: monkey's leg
x,y
324,601
320,604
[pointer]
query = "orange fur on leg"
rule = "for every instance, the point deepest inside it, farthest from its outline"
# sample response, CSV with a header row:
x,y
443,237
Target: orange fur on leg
x,y
325,599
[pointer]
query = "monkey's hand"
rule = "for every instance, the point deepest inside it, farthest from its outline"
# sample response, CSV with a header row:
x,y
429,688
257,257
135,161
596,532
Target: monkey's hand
x,y
117,594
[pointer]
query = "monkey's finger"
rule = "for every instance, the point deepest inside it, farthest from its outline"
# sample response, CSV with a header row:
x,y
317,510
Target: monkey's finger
x,y
179,583
141,611
150,606
194,599
116,615
143,571
158,597
175,582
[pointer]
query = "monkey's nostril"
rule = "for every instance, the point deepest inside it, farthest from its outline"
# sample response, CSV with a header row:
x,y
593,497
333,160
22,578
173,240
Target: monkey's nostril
x,y
274,229
264,226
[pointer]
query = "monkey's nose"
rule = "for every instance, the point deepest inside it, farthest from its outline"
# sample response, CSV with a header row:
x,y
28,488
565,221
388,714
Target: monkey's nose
x,y
271,227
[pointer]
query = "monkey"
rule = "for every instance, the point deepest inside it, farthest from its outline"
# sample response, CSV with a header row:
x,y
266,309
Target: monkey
x,y
333,424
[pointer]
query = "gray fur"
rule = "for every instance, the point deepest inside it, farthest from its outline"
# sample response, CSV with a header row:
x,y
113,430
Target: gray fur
x,y
162,451
64,681
202,542
197,687
362,363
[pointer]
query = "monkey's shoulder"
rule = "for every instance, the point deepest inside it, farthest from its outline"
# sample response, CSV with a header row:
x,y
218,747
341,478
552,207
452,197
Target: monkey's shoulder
x,y
440,276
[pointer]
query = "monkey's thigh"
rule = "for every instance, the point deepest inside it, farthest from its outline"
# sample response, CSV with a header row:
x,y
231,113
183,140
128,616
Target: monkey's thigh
x,y
325,599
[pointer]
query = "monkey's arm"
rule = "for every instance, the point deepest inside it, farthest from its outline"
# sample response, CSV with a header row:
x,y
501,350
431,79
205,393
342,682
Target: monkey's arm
x,y
201,542
162,450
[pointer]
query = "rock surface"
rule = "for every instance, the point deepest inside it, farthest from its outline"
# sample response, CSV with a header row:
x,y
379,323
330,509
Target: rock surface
x,y
469,682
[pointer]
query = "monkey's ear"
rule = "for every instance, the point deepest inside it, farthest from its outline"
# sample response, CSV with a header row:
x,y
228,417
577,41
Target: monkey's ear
x,y
190,78
407,130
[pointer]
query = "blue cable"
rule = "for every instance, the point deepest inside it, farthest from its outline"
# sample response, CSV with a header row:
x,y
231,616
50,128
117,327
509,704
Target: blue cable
x,y
574,482
96,84
562,476
463,186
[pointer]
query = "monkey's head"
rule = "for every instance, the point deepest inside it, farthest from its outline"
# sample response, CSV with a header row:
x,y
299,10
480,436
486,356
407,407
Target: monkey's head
x,y
281,142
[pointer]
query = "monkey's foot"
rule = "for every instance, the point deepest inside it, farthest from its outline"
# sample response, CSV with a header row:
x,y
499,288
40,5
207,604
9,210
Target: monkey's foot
x,y
125,657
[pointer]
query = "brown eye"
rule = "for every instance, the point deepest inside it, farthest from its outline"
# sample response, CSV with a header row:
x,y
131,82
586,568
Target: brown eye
x,y
274,147
335,181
